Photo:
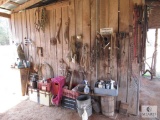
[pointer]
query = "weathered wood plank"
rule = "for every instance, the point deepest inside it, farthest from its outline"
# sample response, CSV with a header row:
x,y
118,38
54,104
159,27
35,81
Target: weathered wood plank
x,y
20,27
53,48
78,23
113,23
59,45
13,26
43,45
104,23
78,6
38,44
124,27
5,15
93,37
86,32
24,31
113,14
124,16
133,91
17,28
72,25
65,21
104,13
139,2
28,36
33,37
47,44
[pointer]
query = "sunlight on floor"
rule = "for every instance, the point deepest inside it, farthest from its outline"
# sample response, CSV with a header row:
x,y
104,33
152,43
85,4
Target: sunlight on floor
x,y
8,90
8,101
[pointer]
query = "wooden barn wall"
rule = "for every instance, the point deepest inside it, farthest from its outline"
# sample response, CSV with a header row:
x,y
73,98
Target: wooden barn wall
x,y
82,15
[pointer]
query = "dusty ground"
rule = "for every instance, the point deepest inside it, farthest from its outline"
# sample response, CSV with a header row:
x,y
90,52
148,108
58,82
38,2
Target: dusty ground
x,y
27,110
13,107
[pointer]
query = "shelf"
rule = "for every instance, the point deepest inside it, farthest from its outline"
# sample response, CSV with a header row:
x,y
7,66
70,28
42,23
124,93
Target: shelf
x,y
93,94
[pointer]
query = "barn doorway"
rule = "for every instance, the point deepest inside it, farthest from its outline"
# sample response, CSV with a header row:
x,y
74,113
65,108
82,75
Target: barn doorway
x,y
8,96
152,62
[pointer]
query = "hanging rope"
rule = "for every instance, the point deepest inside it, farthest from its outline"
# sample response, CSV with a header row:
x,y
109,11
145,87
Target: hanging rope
x,y
40,19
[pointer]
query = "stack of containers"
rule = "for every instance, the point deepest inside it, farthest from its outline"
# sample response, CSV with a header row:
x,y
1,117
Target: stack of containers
x,y
33,91
57,85
33,94
45,92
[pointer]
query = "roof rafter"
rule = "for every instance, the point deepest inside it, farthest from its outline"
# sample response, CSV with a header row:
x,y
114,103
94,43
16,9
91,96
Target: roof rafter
x,y
13,3
5,15
25,5
3,2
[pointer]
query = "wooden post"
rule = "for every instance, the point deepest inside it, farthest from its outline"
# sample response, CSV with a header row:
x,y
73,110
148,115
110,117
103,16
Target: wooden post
x,y
155,52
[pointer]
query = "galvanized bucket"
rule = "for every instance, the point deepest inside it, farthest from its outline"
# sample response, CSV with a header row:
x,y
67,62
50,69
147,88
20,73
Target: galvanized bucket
x,y
84,101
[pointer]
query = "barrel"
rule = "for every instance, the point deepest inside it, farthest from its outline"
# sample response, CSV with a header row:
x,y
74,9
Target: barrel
x,y
107,105
84,101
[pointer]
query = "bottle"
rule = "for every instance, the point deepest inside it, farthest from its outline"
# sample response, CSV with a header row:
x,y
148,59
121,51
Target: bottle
x,y
84,115
86,88
100,85
112,84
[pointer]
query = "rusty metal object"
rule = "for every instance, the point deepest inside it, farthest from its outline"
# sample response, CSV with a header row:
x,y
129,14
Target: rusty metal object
x,y
53,41
58,30
66,33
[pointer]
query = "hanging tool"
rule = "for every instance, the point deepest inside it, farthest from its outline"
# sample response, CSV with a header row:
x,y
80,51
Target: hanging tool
x,y
53,41
72,55
58,30
43,19
40,19
66,33
37,19
63,67
85,57
71,81
40,51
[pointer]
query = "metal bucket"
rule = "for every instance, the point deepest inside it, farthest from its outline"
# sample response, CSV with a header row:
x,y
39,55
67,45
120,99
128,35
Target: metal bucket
x,y
88,109
83,101
107,104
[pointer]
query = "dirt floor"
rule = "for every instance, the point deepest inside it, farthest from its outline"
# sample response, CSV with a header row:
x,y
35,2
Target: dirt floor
x,y
28,110
14,107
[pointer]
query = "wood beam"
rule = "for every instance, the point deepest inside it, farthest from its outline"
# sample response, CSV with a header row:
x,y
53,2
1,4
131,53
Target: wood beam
x,y
13,3
3,10
3,2
57,4
25,5
48,7
5,15
8,1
